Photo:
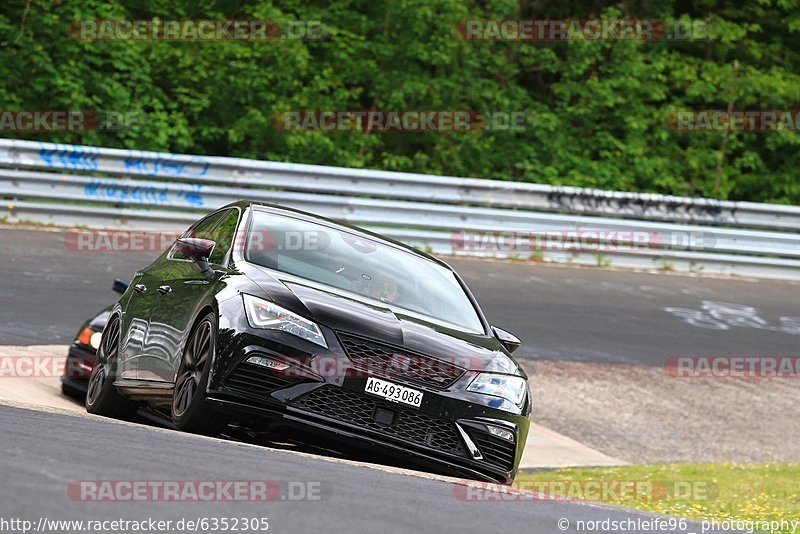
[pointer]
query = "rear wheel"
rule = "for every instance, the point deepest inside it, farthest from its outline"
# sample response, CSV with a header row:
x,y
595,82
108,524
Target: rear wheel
x,y
190,411
102,398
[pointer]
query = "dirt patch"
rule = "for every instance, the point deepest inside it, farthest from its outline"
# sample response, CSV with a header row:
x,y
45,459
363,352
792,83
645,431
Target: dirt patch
x,y
641,414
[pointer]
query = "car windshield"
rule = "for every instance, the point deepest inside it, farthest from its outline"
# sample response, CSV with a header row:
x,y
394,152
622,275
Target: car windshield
x,y
357,264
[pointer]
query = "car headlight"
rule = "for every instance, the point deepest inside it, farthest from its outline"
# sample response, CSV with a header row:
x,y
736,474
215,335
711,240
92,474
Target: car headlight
x,y
90,338
509,387
265,314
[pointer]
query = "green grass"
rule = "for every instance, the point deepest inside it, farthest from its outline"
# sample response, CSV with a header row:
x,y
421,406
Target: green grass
x,y
602,260
666,265
537,255
746,492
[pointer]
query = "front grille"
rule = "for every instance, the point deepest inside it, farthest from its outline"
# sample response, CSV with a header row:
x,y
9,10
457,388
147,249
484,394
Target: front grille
x,y
255,380
400,364
495,451
409,425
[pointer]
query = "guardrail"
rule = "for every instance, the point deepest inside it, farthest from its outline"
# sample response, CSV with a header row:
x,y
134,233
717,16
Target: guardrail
x,y
113,188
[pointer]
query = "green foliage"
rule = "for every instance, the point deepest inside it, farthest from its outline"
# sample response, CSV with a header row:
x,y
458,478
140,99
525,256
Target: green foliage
x,y
596,109
701,492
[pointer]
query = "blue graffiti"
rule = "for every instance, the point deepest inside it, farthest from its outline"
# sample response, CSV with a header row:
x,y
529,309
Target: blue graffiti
x,y
69,157
193,198
166,165
115,191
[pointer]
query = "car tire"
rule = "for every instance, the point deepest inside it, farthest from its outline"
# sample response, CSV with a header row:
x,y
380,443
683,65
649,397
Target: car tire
x,y
190,411
102,397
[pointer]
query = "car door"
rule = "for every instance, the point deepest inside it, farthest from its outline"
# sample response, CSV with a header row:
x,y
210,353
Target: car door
x,y
135,323
181,295
153,338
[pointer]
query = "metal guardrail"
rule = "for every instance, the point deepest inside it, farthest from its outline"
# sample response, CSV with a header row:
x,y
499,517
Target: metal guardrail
x,y
113,188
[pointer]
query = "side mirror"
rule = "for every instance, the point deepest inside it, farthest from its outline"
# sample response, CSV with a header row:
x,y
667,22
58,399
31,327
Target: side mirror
x,y
198,250
508,340
120,286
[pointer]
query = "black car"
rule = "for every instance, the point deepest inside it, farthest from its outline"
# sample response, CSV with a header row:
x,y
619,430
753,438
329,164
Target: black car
x,y
262,314
82,350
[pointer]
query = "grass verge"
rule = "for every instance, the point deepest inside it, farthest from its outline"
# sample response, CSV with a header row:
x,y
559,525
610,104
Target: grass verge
x,y
713,491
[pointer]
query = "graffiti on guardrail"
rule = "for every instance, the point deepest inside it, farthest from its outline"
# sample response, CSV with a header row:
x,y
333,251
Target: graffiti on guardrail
x,y
733,250
115,191
84,158
74,157
644,206
168,165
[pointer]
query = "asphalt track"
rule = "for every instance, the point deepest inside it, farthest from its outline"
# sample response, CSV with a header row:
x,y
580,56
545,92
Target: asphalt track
x,y
37,473
561,313
46,291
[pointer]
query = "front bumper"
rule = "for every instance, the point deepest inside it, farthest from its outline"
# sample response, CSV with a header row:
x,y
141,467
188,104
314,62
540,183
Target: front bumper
x,y
447,433
78,367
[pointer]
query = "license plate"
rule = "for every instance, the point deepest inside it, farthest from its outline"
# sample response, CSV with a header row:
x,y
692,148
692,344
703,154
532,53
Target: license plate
x,y
393,392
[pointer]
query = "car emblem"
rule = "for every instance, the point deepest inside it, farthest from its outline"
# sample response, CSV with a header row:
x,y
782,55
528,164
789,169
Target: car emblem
x,y
400,362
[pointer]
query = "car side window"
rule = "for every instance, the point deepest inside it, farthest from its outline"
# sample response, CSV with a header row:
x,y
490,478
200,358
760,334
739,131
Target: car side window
x,y
223,235
202,230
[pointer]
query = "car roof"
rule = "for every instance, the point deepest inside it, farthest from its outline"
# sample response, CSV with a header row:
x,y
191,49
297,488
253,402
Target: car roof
x,y
312,217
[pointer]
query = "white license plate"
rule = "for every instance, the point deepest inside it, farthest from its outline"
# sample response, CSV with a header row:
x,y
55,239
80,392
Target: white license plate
x,y
393,392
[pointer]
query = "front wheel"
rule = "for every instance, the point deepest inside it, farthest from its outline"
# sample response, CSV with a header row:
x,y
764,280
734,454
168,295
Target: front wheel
x,y
190,411
102,397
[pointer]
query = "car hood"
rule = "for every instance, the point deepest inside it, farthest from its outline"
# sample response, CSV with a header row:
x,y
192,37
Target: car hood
x,y
368,318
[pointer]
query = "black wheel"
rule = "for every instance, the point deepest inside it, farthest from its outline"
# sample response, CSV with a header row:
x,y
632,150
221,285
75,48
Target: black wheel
x,y
102,398
190,411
